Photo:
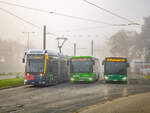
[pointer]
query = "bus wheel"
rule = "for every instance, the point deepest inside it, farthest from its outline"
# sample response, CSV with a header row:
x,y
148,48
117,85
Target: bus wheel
x,y
125,82
47,84
107,81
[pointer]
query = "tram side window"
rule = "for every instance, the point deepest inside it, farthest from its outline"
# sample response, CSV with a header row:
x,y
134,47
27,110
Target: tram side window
x,y
55,67
63,67
49,67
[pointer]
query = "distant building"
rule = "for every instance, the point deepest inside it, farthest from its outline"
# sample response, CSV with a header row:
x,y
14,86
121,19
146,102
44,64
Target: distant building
x,y
141,67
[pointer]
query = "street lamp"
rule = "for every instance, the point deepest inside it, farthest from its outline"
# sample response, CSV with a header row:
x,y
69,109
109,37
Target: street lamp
x,y
28,33
61,44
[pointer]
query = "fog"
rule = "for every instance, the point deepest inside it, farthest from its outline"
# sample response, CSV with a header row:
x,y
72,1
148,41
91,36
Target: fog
x,y
77,31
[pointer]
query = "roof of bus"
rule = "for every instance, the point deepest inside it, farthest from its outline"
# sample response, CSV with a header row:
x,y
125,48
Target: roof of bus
x,y
81,57
126,59
116,57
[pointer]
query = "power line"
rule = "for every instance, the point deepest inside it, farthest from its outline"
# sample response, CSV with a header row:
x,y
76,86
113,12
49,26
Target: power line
x,y
87,28
8,3
81,18
56,13
28,22
6,11
12,14
108,11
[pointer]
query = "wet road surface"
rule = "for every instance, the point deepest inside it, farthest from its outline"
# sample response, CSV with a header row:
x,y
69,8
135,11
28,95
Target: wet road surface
x,y
66,97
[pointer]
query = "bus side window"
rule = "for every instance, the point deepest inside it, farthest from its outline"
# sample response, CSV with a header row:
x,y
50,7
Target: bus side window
x,y
49,66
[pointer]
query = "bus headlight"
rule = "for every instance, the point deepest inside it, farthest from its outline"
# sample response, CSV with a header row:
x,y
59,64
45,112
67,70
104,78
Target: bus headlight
x,y
90,79
72,79
106,78
124,78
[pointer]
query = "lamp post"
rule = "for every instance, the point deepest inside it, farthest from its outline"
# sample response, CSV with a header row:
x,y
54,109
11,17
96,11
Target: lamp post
x,y
92,45
74,49
28,36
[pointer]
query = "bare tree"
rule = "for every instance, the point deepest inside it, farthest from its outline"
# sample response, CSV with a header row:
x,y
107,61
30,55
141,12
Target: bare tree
x,y
145,38
11,53
123,44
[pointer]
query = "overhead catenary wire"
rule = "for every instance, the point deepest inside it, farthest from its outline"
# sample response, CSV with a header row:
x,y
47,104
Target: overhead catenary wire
x,y
81,18
108,11
10,13
56,13
87,28
26,21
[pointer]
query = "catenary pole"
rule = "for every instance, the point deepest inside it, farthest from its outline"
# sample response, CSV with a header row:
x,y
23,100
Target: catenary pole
x,y
44,37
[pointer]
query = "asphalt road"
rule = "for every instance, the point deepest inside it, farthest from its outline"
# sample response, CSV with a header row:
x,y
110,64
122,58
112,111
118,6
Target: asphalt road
x,y
66,97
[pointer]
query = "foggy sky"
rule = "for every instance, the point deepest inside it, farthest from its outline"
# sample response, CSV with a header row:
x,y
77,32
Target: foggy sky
x,y
77,31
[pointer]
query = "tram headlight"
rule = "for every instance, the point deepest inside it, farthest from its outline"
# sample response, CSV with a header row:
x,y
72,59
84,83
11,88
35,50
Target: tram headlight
x,y
90,78
106,78
25,82
72,79
41,74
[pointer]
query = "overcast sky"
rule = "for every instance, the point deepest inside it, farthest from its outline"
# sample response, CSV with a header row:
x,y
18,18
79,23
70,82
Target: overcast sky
x,y
77,31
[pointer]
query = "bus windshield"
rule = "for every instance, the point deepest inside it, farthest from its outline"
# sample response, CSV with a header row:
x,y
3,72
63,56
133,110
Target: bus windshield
x,y
116,67
81,66
35,63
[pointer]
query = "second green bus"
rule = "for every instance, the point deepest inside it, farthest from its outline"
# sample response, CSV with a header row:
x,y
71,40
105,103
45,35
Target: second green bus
x,y
84,69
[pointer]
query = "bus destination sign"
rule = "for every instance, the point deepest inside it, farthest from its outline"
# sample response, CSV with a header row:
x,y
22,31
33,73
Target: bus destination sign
x,y
80,59
115,60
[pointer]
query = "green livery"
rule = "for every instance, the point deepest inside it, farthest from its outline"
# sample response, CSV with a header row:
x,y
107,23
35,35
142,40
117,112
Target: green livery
x,y
115,69
84,69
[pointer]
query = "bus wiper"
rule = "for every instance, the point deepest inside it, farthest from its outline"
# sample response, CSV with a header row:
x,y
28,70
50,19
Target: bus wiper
x,y
121,71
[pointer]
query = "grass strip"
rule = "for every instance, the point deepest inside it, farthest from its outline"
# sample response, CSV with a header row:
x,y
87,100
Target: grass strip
x,y
10,73
147,76
11,82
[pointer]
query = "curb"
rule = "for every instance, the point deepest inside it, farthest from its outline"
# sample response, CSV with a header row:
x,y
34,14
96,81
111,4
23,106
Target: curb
x,y
11,87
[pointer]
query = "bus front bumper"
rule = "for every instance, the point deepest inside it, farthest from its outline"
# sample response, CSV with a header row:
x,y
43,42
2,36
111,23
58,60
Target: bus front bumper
x,y
80,79
115,79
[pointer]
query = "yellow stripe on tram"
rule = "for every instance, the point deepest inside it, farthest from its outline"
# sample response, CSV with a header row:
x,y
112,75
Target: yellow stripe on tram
x,y
46,58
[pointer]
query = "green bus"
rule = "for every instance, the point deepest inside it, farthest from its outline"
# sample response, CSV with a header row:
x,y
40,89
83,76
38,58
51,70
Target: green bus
x,y
115,69
84,69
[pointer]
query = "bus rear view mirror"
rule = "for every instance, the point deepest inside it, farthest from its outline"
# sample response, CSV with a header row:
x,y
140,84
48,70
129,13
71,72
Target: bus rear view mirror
x,y
68,63
128,65
103,62
93,62
23,60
